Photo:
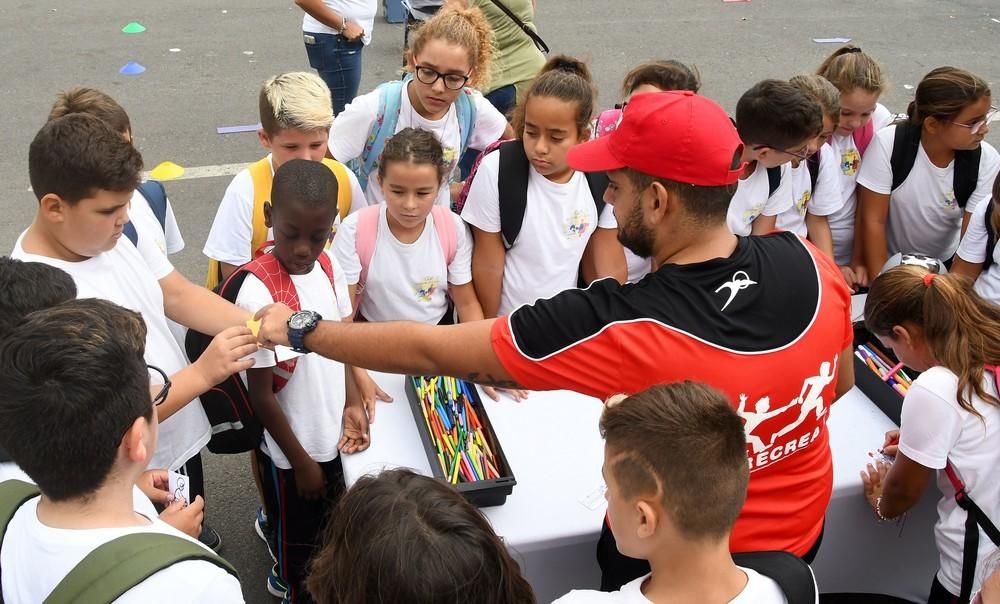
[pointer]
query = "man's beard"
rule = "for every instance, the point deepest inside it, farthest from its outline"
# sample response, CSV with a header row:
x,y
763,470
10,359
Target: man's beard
x,y
634,235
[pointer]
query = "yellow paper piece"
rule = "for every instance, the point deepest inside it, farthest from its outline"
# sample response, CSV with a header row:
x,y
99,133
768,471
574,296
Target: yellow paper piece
x,y
254,326
167,170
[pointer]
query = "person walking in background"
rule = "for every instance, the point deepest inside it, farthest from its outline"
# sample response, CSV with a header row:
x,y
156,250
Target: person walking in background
x,y
335,33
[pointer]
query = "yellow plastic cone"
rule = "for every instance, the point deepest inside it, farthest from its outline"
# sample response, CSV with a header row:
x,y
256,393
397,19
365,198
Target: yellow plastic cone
x,y
168,170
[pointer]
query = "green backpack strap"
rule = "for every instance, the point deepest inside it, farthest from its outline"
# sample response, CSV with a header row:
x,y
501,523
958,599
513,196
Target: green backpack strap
x,y
13,494
120,564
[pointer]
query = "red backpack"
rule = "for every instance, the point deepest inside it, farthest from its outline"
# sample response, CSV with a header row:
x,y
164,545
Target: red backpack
x,y
235,428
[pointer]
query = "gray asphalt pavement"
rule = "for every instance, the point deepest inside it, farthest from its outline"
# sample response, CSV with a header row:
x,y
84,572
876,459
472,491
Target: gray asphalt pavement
x,y
180,100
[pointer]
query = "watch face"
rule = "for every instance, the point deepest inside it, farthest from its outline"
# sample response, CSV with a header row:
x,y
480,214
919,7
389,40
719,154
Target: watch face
x,y
301,320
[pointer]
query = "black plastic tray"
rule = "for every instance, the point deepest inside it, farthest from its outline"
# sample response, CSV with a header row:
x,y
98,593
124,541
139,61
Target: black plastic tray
x,y
482,493
881,393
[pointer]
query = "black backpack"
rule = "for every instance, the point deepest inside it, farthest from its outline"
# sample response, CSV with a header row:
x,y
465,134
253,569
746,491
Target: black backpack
x,y
991,234
790,572
906,144
512,183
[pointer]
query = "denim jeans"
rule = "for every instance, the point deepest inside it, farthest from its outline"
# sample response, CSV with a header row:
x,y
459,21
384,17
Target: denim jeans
x,y
504,99
338,63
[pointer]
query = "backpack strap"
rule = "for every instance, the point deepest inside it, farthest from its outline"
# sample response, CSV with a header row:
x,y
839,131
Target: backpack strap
x,y
512,184
390,100
965,174
465,107
343,188
156,196
261,175
13,494
905,144
472,174
812,164
773,180
365,240
991,233
279,284
598,183
447,233
863,137
120,564
790,572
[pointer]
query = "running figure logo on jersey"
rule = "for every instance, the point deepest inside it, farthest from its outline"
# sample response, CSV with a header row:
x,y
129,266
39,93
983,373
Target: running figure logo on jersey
x,y
764,446
850,161
426,289
576,225
741,280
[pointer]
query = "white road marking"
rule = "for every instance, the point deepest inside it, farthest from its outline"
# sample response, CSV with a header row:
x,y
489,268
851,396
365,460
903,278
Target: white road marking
x,y
207,171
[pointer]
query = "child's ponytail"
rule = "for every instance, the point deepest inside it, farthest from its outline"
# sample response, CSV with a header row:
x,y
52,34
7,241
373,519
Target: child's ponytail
x,y
962,329
567,79
848,68
465,27
943,93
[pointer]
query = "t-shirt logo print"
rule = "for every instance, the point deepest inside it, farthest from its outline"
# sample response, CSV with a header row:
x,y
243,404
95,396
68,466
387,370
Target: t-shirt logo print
x,y
740,281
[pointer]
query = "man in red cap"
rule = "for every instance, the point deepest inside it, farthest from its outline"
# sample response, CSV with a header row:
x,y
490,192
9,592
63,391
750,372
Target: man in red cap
x,y
764,319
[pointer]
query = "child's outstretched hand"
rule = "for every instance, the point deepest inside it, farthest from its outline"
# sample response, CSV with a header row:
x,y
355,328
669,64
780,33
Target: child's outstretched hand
x,y
494,393
228,353
185,519
873,476
356,436
155,484
370,392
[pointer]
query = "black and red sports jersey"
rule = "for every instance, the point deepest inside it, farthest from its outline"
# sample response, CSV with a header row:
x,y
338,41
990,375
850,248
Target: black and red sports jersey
x,y
767,326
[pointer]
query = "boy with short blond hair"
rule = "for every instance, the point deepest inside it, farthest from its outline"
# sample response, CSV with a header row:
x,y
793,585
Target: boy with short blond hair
x,y
295,121
676,471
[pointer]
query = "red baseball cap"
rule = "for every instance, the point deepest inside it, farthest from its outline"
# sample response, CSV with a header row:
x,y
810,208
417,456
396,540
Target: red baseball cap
x,y
677,135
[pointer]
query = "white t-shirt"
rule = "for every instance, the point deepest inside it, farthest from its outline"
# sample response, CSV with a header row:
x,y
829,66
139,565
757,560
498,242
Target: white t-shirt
x,y
973,249
36,557
168,237
129,278
825,200
232,231
924,216
350,134
846,153
406,281
558,222
140,503
933,430
751,199
759,590
313,399
638,267
361,12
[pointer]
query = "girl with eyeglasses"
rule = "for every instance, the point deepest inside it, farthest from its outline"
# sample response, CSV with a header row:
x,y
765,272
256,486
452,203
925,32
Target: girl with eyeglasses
x,y
922,178
448,61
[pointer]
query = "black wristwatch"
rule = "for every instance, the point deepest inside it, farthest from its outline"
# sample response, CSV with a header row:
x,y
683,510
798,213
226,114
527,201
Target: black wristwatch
x,y
299,325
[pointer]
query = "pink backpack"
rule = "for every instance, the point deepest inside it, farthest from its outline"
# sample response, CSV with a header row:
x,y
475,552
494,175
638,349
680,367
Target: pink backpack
x,y
863,136
606,122
366,238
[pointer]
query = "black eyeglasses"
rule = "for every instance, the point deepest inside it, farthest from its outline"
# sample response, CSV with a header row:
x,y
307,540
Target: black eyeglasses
x,y
452,81
802,153
161,396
